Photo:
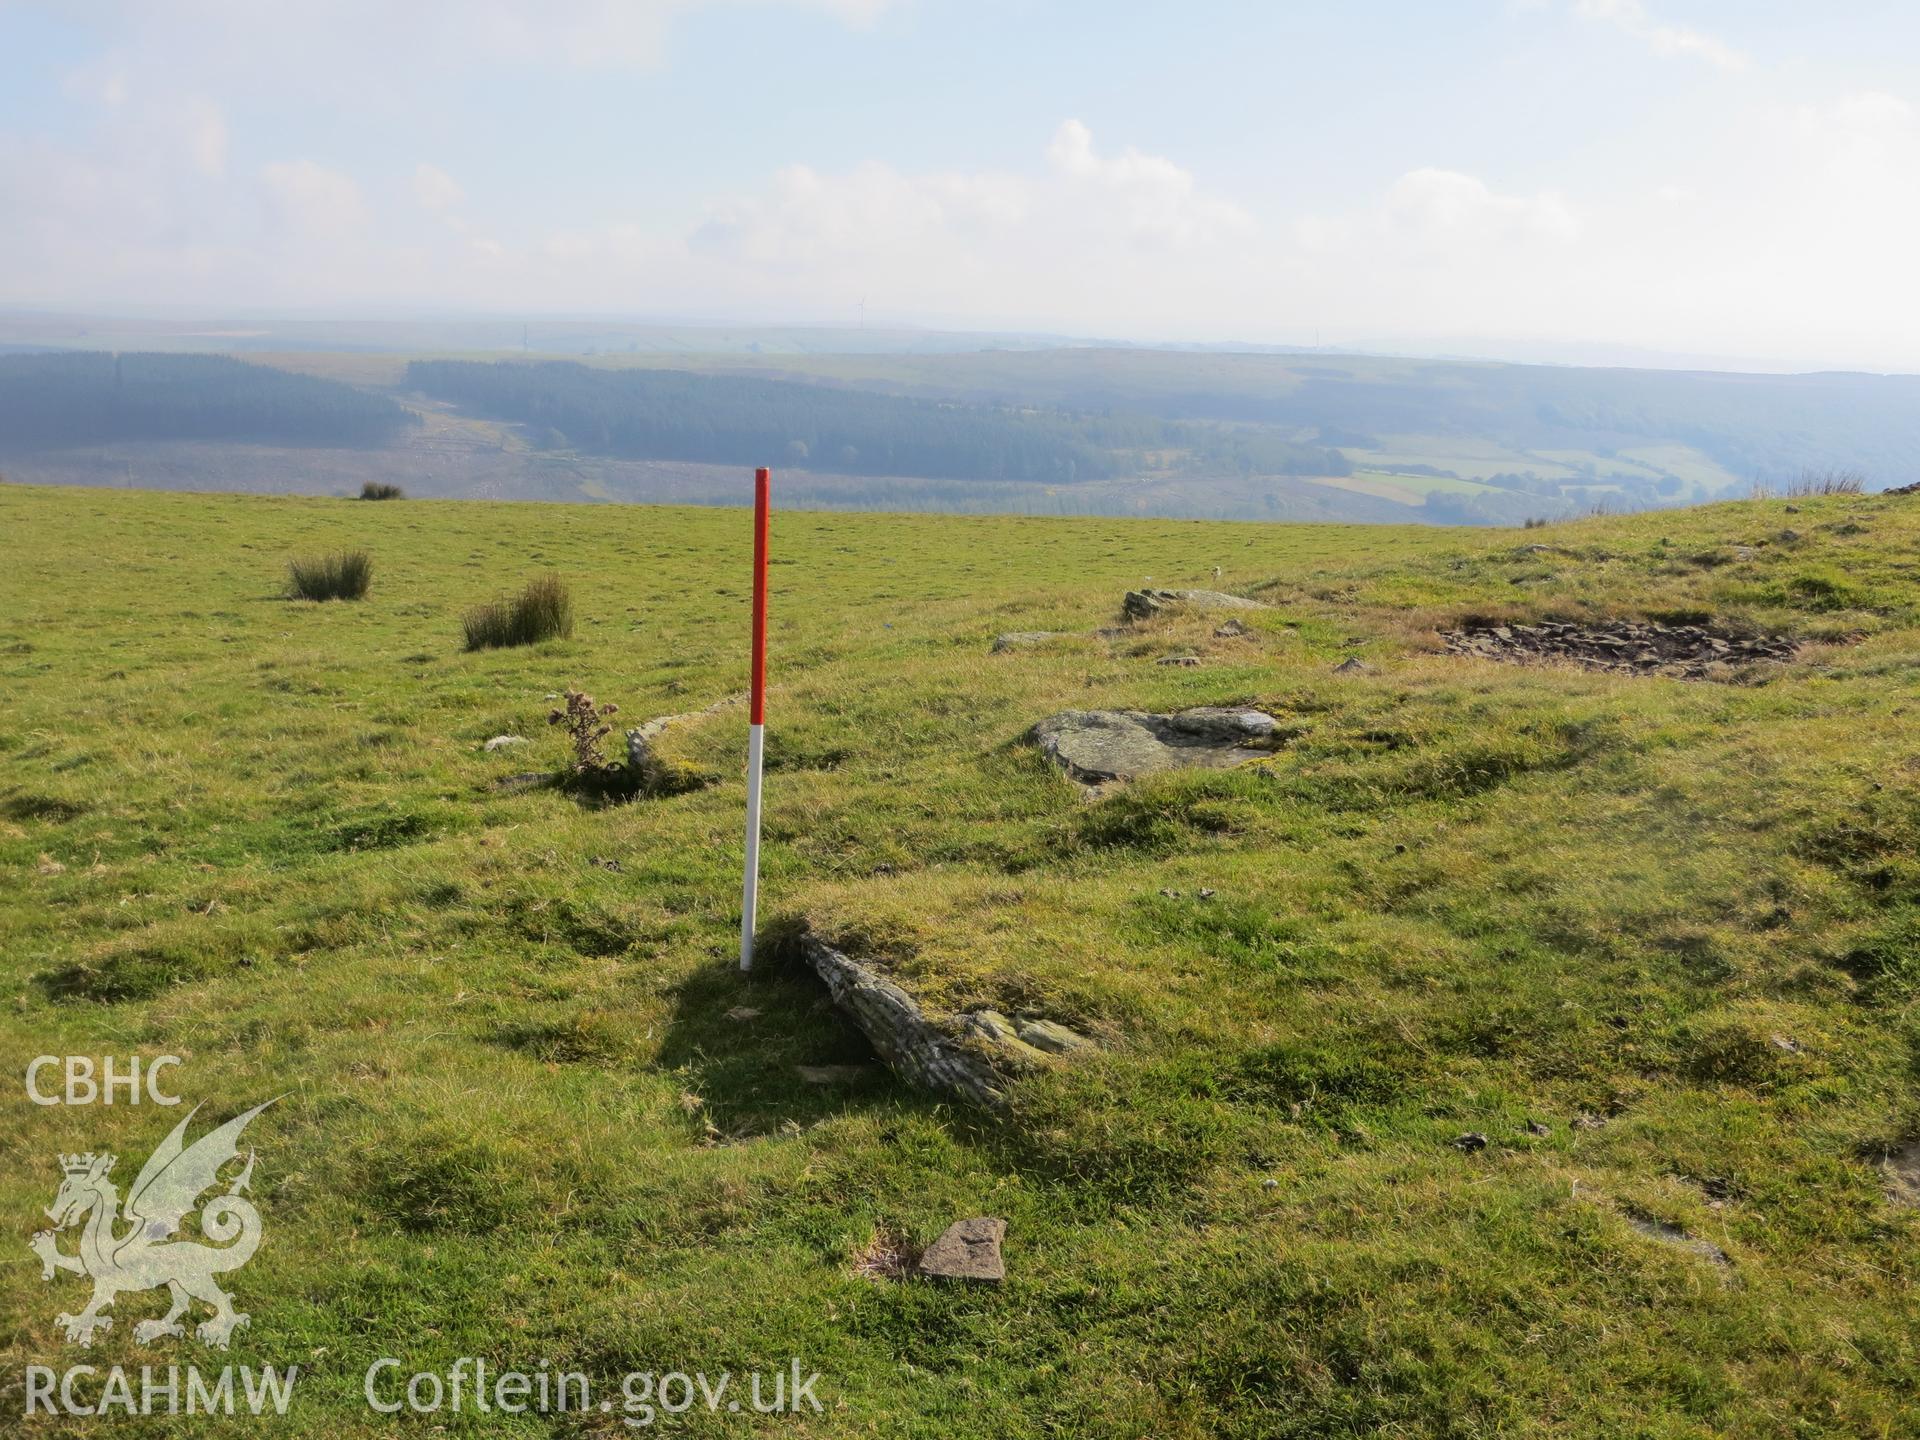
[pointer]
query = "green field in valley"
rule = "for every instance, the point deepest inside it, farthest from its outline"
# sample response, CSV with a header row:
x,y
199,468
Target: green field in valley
x,y
1657,941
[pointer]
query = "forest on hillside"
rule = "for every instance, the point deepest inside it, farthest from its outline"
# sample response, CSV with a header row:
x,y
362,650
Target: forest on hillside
x,y
726,419
93,398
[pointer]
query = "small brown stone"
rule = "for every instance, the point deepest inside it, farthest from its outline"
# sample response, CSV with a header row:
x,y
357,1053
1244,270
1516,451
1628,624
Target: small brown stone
x,y
969,1250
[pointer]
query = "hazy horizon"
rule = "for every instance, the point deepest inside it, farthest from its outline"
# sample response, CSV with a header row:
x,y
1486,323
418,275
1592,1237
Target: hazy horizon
x,y
274,326
1687,182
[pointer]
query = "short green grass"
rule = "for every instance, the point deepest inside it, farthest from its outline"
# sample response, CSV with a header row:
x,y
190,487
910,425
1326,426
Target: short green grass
x,y
521,1123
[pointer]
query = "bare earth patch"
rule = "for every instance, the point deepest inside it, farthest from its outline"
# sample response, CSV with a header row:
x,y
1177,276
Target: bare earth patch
x,y
1686,652
887,1255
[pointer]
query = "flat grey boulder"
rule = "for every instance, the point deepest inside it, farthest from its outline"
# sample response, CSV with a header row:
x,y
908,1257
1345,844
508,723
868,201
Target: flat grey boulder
x,y
1144,604
1098,747
968,1250
1025,640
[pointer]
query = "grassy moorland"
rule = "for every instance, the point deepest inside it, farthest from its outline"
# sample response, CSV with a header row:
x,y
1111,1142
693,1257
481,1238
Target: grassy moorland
x,y
527,1117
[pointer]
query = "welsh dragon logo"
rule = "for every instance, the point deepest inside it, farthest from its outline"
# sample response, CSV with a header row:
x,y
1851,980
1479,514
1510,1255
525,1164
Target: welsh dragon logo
x,y
138,1247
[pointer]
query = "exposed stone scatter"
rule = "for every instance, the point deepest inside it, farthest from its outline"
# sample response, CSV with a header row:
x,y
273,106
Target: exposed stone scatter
x,y
1688,652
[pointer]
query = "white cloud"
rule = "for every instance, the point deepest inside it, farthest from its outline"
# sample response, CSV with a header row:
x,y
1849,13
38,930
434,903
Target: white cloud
x,y
314,42
1445,205
1085,230
436,191
310,202
1157,201
1666,41
1768,223
101,80
206,135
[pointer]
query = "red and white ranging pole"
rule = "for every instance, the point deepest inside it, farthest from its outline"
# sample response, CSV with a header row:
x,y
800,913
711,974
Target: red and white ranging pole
x,y
757,714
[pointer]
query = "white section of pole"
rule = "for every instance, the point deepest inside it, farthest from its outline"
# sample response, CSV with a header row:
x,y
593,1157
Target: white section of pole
x,y
750,890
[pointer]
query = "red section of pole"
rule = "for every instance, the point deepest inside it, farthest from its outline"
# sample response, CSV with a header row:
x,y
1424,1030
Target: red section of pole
x,y
762,500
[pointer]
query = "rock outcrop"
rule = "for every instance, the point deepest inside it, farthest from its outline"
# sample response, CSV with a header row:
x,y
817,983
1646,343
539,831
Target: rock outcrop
x,y
973,1057
1099,747
1144,604
920,1051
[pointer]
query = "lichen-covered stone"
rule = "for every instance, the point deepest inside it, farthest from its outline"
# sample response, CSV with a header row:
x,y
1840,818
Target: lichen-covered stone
x,y
1097,747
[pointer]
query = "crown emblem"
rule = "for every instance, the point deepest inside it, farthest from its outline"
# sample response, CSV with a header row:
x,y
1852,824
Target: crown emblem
x,y
77,1164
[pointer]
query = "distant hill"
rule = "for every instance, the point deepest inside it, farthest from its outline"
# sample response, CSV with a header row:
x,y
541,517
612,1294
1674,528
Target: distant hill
x,y
54,400
744,420
1706,432
1066,430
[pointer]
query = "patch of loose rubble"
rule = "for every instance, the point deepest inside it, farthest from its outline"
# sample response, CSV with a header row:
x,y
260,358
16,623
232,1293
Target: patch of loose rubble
x,y
1686,652
974,1056
1104,747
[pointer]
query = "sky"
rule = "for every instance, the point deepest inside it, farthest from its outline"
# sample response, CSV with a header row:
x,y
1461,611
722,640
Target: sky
x,y
1694,179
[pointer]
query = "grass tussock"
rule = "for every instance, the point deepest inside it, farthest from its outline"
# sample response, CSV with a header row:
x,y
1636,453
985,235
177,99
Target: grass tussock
x,y
542,611
381,490
1832,481
339,575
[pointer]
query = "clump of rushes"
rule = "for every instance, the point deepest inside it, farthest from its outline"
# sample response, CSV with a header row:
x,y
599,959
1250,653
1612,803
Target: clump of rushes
x,y
542,611
381,490
342,575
